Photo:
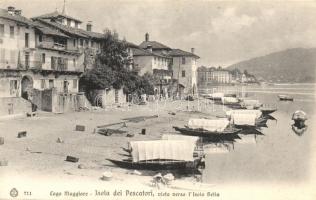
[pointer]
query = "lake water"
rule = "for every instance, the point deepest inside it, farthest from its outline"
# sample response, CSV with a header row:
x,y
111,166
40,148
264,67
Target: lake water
x,y
279,155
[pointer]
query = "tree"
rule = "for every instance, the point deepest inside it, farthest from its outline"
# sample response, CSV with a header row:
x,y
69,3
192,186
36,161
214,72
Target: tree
x,y
110,69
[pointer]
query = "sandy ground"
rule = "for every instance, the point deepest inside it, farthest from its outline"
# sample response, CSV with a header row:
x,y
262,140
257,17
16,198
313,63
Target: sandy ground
x,y
39,155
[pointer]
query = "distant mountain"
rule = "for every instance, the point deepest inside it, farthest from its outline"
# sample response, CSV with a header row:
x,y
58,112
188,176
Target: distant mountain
x,y
291,65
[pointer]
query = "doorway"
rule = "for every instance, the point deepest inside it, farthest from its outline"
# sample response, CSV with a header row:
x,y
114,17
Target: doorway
x,y
26,86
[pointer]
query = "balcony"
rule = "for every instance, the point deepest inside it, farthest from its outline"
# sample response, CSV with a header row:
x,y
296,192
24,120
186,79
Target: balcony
x,y
58,47
162,72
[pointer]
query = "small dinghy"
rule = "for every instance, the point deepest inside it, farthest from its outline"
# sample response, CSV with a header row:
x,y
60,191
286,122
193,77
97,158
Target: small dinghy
x,y
299,118
285,98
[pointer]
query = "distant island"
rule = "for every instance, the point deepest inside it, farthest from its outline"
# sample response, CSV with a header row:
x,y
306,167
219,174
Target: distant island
x,y
292,65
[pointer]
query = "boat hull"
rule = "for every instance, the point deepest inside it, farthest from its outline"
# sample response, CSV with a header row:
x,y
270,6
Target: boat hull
x,y
157,165
211,136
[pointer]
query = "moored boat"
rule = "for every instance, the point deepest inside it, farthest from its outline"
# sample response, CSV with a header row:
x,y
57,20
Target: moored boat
x,y
285,98
213,129
244,118
229,134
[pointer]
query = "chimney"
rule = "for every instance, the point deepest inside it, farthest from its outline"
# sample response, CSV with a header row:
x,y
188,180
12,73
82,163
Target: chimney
x,y
147,37
11,10
89,26
18,12
192,50
149,48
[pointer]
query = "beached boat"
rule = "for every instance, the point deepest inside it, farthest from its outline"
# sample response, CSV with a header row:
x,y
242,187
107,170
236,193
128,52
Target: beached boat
x,y
213,129
229,134
285,98
160,155
157,164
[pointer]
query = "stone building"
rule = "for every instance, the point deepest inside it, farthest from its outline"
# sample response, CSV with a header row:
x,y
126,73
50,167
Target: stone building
x,y
41,61
180,65
213,76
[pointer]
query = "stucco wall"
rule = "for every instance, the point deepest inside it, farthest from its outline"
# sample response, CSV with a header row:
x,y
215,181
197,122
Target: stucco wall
x,y
148,63
13,45
14,105
190,68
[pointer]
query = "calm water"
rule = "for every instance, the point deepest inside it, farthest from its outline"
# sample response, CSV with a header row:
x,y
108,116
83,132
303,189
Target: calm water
x,y
278,155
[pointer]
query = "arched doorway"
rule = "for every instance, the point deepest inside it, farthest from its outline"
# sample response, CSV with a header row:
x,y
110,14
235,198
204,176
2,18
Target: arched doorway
x,y
26,86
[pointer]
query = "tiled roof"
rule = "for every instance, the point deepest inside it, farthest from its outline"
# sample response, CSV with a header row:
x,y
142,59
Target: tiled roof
x,y
48,30
71,30
154,45
56,14
179,52
18,18
143,52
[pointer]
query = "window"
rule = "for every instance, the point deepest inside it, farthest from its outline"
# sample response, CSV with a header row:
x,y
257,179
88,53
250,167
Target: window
x,y
76,24
43,58
116,96
53,62
81,42
1,30
74,42
13,86
40,38
26,40
92,44
183,60
27,60
43,84
11,31
183,73
51,83
74,62
68,22
74,84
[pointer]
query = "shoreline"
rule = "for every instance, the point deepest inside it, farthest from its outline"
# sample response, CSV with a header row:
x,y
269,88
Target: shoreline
x,y
39,154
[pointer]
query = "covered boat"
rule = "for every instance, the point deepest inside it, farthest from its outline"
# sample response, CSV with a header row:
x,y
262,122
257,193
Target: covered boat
x,y
229,101
215,96
250,104
160,155
246,118
213,129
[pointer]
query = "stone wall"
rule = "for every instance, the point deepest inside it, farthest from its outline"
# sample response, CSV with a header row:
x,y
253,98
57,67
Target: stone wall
x,y
14,105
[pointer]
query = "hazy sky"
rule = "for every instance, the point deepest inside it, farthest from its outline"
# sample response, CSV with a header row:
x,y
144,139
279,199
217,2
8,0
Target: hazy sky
x,y
222,32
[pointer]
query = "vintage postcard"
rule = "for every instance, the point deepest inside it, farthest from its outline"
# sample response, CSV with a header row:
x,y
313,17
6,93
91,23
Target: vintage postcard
x,y
144,99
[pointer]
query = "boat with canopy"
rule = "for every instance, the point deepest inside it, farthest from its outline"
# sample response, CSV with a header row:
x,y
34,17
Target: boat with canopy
x,y
160,155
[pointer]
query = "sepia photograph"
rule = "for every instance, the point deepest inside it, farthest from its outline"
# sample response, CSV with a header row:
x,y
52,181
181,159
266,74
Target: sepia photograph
x,y
157,99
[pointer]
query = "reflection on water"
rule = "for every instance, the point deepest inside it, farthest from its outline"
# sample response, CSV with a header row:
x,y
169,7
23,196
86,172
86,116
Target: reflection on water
x,y
299,130
271,153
